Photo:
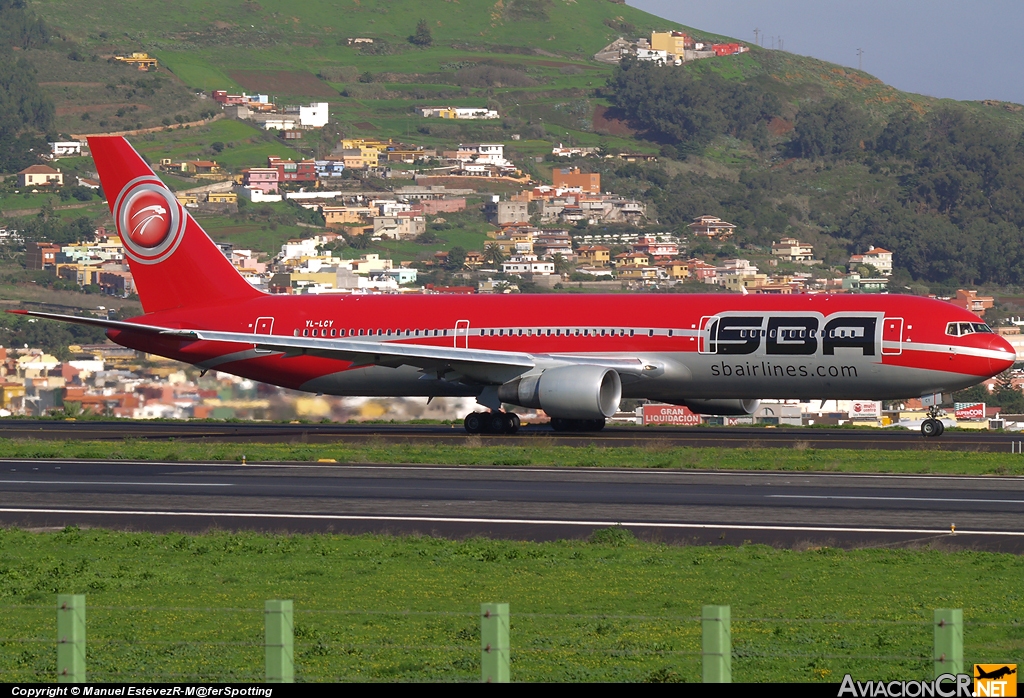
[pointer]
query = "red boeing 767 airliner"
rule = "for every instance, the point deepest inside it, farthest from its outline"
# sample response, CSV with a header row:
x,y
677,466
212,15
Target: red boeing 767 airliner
x,y
573,356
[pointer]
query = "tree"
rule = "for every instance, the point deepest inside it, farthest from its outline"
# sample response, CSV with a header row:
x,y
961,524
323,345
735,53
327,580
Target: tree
x,y
422,36
562,265
456,259
493,254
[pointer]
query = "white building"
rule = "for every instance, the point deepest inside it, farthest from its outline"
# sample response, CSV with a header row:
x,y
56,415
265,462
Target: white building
x,y
278,122
652,55
483,153
313,115
64,148
527,264
458,113
297,249
877,257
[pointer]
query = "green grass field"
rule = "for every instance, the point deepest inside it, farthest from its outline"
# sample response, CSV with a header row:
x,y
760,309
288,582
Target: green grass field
x,y
377,608
658,455
251,235
245,146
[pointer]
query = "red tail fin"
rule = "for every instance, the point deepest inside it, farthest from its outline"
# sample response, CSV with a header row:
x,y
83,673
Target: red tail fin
x,y
173,261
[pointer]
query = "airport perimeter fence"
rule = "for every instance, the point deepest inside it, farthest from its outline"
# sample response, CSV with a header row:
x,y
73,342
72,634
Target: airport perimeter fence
x,y
283,643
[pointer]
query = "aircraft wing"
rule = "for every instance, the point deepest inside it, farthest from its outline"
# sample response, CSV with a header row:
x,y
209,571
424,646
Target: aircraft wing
x,y
476,365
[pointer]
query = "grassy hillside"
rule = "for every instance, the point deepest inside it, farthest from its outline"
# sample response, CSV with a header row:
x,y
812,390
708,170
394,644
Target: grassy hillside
x,y
910,173
318,27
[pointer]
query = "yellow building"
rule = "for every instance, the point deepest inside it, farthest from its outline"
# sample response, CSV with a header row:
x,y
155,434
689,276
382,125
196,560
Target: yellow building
x,y
223,197
346,215
594,255
184,198
369,150
142,61
675,43
677,270
81,274
734,282
10,391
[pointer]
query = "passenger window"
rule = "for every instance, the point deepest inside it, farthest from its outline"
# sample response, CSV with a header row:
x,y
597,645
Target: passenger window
x,y
305,333
314,333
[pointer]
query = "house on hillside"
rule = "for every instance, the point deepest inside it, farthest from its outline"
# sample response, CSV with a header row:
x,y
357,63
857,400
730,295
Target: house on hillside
x,y
40,176
792,250
569,178
877,257
711,227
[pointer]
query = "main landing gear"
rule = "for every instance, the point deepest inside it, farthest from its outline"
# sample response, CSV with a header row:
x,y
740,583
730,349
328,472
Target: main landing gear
x,y
491,423
932,426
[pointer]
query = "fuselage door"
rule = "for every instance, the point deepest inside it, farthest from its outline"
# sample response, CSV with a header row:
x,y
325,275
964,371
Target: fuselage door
x,y
892,336
264,325
462,334
707,335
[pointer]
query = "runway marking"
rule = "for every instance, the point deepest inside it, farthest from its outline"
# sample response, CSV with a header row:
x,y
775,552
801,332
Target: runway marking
x,y
105,482
505,469
527,522
895,499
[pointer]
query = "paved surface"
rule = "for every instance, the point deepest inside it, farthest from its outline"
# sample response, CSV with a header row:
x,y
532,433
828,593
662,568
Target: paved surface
x,y
528,503
737,437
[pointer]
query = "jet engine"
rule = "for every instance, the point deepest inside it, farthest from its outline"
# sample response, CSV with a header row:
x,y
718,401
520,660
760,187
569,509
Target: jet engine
x,y
725,408
567,392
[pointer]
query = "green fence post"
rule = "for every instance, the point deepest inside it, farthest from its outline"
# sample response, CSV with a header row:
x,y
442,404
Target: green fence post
x,y
949,641
280,636
71,638
716,649
494,646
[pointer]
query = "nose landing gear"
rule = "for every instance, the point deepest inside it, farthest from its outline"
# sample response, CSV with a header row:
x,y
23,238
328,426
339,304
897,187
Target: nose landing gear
x,y
492,423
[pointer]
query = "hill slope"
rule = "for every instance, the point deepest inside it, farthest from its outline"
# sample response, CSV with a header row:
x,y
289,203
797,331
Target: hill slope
x,y
830,154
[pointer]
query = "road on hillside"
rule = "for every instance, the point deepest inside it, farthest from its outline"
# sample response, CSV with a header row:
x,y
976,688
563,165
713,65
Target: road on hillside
x,y
526,503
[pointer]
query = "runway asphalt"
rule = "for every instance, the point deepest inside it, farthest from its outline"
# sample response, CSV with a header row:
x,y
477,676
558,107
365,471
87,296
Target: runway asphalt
x,y
734,437
786,509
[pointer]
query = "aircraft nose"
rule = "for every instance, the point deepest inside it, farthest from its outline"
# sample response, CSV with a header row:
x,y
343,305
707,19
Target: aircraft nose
x,y
998,364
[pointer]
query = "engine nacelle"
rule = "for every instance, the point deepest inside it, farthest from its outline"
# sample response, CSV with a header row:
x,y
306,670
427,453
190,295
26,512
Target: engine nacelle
x,y
724,408
569,392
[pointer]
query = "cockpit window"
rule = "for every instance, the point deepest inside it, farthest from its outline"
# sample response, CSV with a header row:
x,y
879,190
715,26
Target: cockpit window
x,y
959,329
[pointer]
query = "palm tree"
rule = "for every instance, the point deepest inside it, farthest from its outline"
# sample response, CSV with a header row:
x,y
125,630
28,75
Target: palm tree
x,y
493,254
562,265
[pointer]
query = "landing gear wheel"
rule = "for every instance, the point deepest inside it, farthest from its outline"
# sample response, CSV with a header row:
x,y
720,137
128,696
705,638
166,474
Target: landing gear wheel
x,y
942,427
474,422
931,427
497,423
516,423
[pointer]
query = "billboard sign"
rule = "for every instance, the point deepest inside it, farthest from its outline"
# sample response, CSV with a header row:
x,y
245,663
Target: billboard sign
x,y
969,410
676,415
871,409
